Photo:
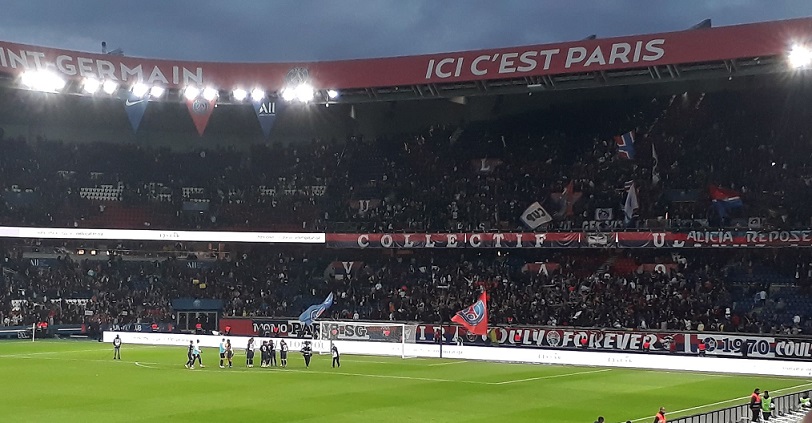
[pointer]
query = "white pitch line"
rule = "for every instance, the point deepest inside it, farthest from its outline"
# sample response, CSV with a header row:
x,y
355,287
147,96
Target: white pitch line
x,y
448,363
552,376
46,353
71,351
791,388
144,365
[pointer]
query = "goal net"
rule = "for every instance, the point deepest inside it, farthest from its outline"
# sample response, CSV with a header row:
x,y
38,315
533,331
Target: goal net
x,y
394,335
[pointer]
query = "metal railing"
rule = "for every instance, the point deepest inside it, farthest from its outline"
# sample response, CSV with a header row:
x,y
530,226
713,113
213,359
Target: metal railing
x,y
784,405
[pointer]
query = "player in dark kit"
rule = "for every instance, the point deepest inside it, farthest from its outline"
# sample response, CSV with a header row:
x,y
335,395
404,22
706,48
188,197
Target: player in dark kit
x,y
189,357
307,353
271,354
283,353
229,353
249,353
263,353
336,356
117,348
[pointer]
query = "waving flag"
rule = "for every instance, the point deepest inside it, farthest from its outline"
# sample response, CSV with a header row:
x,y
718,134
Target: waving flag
x,y
655,172
631,204
313,312
625,145
724,199
474,317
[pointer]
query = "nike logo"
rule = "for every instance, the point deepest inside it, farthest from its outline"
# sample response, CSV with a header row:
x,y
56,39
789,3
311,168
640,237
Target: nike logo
x,y
132,103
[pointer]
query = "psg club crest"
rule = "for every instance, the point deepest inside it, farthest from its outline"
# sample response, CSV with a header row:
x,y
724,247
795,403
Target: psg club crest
x,y
297,76
200,106
474,314
553,338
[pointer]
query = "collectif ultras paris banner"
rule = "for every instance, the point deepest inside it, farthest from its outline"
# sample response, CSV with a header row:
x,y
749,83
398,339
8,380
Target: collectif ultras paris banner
x,y
690,239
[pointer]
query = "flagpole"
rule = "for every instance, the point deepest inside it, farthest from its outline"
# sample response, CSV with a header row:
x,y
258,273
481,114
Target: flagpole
x,y
441,332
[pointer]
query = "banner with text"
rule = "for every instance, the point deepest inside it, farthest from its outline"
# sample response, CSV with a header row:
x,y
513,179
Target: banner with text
x,y
691,239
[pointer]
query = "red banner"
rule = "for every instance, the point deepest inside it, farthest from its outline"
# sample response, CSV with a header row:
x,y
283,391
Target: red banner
x,y
690,46
200,109
692,239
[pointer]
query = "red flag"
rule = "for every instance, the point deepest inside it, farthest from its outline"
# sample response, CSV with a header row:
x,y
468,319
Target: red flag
x,y
200,109
474,317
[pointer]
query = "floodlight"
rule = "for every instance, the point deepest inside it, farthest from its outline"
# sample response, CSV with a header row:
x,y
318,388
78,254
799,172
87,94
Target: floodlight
x,y
42,80
156,91
304,93
332,94
191,92
210,93
288,94
140,89
257,94
800,56
109,87
239,94
91,85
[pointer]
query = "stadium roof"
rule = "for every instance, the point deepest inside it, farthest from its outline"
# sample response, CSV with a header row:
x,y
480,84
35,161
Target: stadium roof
x,y
748,49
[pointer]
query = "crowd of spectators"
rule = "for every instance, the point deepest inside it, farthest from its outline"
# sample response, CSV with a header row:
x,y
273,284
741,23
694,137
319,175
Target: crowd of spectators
x,y
473,177
477,176
587,289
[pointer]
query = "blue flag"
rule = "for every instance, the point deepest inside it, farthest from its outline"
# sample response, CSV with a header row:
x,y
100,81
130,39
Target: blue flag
x,y
313,312
266,114
135,108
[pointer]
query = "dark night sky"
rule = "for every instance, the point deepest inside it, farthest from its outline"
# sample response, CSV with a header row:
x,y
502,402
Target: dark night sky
x,y
307,30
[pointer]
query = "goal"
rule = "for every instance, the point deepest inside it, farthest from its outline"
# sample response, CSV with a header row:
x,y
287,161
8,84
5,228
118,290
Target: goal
x,y
392,337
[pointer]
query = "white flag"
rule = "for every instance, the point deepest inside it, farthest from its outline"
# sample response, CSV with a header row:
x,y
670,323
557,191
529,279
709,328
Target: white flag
x,y
655,173
631,203
535,216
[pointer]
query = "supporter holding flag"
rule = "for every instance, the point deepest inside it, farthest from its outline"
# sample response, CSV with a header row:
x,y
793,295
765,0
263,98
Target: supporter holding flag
x,y
475,317
313,312
724,200
625,145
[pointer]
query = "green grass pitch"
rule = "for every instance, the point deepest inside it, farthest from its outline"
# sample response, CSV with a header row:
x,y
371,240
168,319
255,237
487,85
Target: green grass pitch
x,y
77,381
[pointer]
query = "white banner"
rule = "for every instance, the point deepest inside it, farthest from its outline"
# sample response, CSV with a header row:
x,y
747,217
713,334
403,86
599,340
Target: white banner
x,y
157,235
535,216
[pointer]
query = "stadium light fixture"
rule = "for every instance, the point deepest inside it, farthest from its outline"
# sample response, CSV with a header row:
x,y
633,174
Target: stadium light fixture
x,y
91,85
109,87
156,91
332,94
42,81
301,92
191,92
800,56
139,89
257,94
239,94
304,93
210,93
288,94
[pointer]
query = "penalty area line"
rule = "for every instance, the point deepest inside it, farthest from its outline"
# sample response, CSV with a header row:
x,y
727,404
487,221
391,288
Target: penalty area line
x,y
448,363
551,376
144,365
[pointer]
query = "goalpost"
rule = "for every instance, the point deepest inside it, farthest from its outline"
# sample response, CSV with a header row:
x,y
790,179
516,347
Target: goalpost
x,y
397,335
